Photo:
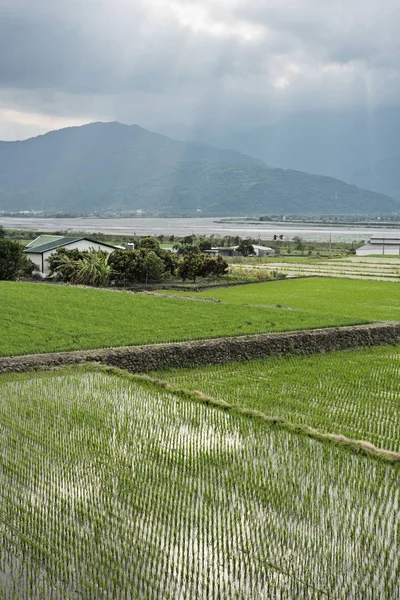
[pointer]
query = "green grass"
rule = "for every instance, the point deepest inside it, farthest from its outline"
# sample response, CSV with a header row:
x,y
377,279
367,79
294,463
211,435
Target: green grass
x,y
114,489
355,393
37,318
372,300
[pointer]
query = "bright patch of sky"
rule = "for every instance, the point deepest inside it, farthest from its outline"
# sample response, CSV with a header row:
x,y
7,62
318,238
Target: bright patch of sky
x,y
177,63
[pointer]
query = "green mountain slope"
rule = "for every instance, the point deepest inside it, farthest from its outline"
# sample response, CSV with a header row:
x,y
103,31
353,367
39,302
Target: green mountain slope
x,y
110,166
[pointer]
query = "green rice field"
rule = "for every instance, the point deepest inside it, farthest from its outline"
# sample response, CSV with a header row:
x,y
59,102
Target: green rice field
x,y
371,300
115,488
355,393
36,318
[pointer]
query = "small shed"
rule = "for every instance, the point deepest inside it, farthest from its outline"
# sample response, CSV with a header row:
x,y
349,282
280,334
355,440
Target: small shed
x,y
41,248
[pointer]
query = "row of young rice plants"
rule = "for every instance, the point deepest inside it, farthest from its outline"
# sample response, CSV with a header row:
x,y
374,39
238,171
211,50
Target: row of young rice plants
x,y
355,393
51,318
373,300
111,488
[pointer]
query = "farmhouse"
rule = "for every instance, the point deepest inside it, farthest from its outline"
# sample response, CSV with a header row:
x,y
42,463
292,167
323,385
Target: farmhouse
x,y
232,251
41,248
381,244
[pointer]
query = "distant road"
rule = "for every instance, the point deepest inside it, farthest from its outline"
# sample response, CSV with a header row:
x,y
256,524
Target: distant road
x,y
205,226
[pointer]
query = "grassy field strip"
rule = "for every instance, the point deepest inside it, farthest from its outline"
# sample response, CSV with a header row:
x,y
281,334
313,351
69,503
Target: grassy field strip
x,y
37,318
374,300
354,393
111,487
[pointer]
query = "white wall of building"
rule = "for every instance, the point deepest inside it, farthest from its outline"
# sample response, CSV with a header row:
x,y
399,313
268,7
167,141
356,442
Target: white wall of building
x,y
386,250
380,245
264,252
35,258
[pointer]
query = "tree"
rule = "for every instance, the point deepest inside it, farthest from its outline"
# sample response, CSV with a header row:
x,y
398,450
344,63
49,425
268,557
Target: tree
x,y
188,240
153,266
205,245
213,266
12,260
245,248
149,243
170,261
124,266
188,250
2,232
129,266
299,243
190,267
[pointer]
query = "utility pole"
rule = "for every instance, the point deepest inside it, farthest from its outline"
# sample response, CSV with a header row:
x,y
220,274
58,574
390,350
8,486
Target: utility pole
x,y
330,245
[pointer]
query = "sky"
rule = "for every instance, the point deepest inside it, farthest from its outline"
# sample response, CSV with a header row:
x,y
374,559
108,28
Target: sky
x,y
170,65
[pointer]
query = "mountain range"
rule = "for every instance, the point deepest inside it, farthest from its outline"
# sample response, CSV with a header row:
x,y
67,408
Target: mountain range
x,y
103,167
358,146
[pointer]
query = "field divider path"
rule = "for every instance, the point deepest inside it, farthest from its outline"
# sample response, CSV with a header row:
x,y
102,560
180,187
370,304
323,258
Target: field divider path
x,y
357,446
169,296
139,359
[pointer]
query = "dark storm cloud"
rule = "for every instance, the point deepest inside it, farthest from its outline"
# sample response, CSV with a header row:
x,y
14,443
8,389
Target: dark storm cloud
x,y
151,60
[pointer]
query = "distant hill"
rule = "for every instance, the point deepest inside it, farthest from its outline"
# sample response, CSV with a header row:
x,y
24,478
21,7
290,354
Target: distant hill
x,y
115,167
339,144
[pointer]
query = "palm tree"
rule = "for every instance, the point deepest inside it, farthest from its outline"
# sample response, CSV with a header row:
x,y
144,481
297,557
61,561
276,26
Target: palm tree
x,y
94,269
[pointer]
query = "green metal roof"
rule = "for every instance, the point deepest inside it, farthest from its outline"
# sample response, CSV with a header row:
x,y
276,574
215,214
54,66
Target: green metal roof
x,y
62,241
43,239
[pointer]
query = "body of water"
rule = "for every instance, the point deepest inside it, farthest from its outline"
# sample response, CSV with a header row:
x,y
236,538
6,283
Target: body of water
x,y
198,226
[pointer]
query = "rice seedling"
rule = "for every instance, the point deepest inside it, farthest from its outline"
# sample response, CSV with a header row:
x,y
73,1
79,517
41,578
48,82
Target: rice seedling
x,y
355,393
115,488
51,318
372,300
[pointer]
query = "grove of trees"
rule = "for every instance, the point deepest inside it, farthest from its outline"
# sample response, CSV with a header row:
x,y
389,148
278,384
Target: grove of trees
x,y
149,263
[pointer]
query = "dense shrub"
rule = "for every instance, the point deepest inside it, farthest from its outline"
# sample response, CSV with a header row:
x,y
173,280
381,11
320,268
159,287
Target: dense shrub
x,y
13,262
192,266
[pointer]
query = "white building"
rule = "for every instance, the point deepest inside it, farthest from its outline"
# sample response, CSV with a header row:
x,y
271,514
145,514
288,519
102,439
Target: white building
x,y
381,244
232,251
263,251
40,249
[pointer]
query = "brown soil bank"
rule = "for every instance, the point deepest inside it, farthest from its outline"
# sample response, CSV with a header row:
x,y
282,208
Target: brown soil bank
x,y
138,359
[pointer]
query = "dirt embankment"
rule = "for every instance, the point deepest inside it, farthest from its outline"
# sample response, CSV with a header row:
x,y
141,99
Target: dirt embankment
x,y
138,359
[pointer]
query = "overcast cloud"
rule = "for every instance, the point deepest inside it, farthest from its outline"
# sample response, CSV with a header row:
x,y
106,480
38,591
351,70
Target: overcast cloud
x,y
175,62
